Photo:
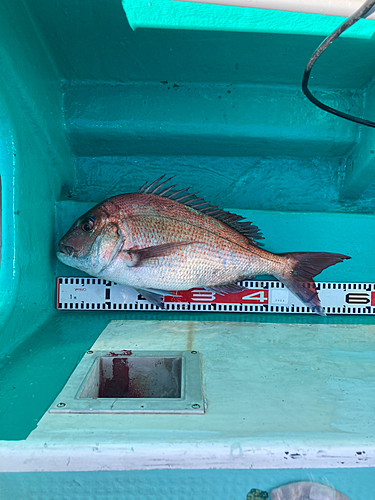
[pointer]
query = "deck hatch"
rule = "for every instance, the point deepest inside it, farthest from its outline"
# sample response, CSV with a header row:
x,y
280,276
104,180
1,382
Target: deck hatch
x,y
133,382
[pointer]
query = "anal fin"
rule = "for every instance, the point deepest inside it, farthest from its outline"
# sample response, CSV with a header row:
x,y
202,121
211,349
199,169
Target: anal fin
x,y
155,296
223,289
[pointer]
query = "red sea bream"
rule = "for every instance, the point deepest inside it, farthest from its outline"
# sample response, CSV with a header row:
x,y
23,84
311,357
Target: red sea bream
x,y
157,240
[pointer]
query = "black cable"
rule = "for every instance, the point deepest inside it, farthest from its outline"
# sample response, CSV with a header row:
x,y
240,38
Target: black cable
x,y
359,14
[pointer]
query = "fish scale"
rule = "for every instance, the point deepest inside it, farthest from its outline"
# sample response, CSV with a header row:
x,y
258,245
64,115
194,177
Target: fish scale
x,y
154,243
194,264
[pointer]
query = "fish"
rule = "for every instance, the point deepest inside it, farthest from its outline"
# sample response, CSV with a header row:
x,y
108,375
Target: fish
x,y
306,490
160,240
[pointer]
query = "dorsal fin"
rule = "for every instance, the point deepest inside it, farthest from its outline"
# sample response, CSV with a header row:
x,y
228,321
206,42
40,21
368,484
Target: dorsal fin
x,y
249,230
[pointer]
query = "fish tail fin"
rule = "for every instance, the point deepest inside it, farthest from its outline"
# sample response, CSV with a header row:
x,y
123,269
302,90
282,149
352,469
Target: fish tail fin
x,y
301,269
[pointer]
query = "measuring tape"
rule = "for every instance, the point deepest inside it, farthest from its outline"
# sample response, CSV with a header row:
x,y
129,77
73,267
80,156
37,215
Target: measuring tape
x,y
92,294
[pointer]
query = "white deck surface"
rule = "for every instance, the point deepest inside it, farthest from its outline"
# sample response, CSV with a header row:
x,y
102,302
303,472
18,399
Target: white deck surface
x,y
277,396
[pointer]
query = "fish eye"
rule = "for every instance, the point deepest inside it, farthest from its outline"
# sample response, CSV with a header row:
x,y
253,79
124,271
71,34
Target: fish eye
x,y
88,224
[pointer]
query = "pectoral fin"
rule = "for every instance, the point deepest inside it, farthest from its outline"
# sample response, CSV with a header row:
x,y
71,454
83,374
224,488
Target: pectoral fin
x,y
141,256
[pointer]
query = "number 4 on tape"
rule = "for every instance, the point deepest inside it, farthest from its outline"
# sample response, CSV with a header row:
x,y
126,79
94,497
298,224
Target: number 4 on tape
x,y
260,296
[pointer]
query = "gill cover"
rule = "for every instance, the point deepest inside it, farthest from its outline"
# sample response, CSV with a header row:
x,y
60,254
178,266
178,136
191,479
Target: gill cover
x,y
107,246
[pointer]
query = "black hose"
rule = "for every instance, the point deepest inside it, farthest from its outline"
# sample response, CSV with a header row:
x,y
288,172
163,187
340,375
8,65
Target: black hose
x,y
359,14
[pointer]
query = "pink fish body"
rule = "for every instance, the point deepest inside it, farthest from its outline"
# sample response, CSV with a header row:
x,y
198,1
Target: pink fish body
x,y
155,243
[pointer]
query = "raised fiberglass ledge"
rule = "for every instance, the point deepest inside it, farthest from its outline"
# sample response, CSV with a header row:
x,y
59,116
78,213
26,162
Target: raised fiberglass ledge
x,y
277,396
199,118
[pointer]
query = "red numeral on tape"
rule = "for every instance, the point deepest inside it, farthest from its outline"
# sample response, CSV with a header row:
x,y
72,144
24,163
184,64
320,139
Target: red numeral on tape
x,y
201,296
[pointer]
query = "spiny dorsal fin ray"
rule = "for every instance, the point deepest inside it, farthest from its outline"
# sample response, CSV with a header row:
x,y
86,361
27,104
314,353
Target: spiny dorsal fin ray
x,y
249,230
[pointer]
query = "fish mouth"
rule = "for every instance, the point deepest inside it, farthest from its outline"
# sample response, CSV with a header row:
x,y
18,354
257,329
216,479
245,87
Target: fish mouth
x,y
67,249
